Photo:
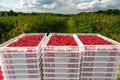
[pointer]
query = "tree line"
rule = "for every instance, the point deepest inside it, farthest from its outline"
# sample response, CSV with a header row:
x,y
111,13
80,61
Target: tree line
x,y
105,22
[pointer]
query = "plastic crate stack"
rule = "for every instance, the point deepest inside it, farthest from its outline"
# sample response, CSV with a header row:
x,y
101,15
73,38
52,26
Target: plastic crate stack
x,y
1,74
61,57
21,57
100,58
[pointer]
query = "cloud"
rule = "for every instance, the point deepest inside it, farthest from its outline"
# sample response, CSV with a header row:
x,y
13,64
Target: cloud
x,y
4,7
23,5
47,1
49,6
34,1
64,6
99,4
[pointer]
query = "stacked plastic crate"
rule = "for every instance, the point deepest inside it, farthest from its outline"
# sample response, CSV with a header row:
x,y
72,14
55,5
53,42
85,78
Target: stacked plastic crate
x,y
61,57
100,58
1,74
21,57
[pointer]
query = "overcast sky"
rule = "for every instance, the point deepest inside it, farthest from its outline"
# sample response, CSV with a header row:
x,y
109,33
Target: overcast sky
x,y
58,6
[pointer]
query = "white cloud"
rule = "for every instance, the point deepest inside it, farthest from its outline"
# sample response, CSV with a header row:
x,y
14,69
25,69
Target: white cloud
x,y
34,1
64,6
4,5
99,4
49,5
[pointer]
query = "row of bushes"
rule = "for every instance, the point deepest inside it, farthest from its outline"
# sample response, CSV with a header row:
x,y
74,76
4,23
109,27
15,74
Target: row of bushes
x,y
92,22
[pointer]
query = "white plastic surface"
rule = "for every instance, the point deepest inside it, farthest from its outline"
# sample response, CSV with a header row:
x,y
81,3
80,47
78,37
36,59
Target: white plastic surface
x,y
23,61
6,52
28,66
61,71
32,71
100,62
61,75
90,62
20,56
61,65
27,76
61,49
61,55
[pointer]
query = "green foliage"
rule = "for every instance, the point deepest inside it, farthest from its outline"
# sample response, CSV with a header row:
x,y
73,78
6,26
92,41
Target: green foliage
x,y
118,75
103,22
106,23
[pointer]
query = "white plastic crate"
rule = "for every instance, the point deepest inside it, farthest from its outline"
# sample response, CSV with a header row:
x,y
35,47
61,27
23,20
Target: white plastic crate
x,y
60,78
61,62
31,71
20,61
56,60
98,70
21,52
1,73
56,51
98,74
100,64
52,60
98,78
21,66
58,54
100,53
101,50
21,58
100,58
61,70
25,76
17,55
61,66
22,75
61,75
24,79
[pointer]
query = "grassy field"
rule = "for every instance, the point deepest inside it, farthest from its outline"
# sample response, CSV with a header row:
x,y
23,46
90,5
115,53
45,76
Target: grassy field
x,y
118,75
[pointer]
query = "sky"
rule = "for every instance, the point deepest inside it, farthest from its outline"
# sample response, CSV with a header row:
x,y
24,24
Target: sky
x,y
58,6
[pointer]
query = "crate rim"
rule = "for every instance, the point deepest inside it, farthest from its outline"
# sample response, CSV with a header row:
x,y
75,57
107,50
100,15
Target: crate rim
x,y
99,35
22,49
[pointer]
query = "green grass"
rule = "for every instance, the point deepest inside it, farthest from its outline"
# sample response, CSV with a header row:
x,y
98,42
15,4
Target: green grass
x,y
118,75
